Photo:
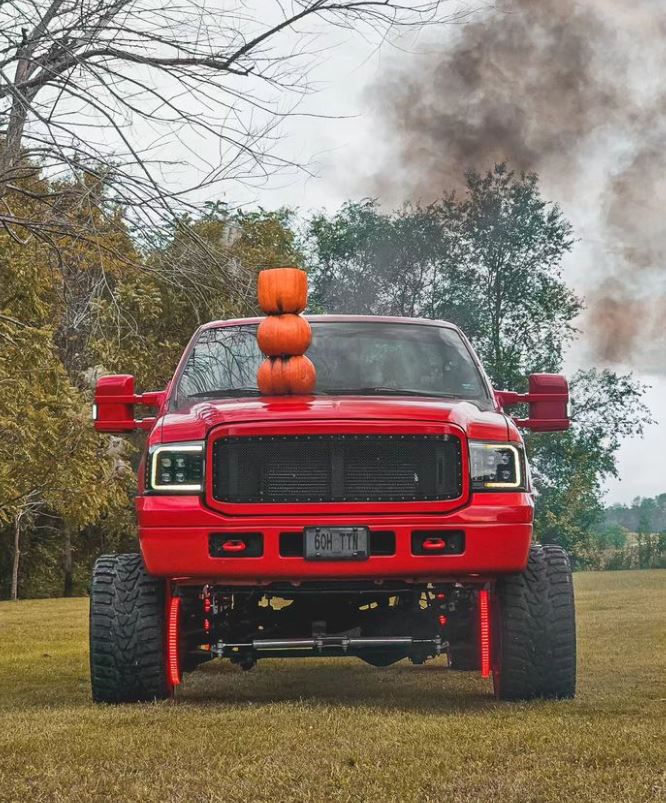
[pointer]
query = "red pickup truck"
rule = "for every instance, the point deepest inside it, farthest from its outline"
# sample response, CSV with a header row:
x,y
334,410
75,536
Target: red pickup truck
x,y
387,516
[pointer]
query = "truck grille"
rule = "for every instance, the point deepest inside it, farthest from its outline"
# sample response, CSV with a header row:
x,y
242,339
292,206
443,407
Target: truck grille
x,y
337,468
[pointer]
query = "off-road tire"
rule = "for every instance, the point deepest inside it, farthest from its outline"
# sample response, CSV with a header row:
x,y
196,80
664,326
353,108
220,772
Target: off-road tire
x,y
520,614
560,671
465,654
465,657
127,653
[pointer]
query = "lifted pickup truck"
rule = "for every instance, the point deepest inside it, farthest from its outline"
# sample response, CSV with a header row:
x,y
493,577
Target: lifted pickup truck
x,y
388,516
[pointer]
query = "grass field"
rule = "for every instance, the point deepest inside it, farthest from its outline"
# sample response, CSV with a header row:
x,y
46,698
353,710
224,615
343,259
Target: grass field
x,y
338,730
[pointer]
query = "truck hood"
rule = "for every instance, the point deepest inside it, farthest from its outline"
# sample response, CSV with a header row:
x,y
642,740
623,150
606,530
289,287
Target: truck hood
x,y
195,422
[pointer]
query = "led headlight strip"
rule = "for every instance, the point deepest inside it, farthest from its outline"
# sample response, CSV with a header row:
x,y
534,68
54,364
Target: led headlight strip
x,y
177,467
496,466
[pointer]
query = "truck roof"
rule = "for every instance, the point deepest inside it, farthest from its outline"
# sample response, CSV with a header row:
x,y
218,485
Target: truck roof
x,y
336,319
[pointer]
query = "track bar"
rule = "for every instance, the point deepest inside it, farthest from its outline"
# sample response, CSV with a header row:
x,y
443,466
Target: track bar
x,y
320,643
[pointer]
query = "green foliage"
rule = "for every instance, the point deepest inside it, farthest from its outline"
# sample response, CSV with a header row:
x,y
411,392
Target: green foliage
x,y
611,536
488,261
502,249
629,516
634,536
570,467
144,324
56,474
366,262
103,305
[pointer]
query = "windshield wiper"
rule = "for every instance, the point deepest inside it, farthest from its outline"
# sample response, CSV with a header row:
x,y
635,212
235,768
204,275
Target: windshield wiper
x,y
224,392
387,391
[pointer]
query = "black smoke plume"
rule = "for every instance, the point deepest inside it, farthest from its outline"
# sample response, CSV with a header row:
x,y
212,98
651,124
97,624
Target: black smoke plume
x,y
575,91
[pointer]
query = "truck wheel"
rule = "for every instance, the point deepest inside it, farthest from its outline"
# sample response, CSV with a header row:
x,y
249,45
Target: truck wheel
x,y
464,657
465,653
560,671
127,652
520,614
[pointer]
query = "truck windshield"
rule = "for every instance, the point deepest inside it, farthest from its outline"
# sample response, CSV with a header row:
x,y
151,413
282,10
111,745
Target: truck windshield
x,y
351,358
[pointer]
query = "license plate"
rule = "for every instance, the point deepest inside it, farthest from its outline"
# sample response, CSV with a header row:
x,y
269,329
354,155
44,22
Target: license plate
x,y
336,543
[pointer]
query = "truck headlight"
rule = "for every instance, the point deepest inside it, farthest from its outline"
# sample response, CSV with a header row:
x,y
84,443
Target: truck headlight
x,y
496,466
177,468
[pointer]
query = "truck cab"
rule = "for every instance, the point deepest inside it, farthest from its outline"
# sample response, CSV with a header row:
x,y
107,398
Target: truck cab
x,y
387,515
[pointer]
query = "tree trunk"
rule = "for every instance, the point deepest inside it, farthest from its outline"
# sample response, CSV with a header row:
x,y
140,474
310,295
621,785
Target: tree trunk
x,y
10,155
17,555
68,586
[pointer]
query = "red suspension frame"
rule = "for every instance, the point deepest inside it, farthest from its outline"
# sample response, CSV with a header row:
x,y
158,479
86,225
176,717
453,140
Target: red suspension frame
x,y
484,631
172,639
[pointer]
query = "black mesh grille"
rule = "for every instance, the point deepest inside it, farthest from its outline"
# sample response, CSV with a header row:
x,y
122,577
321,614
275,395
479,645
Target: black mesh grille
x,y
337,468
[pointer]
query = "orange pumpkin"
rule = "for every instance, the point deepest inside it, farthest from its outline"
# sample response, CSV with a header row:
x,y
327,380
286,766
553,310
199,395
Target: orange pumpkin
x,y
270,378
279,376
300,374
286,334
282,290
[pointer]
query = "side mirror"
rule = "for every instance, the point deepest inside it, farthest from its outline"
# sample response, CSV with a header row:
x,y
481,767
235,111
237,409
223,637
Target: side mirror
x,y
115,398
548,399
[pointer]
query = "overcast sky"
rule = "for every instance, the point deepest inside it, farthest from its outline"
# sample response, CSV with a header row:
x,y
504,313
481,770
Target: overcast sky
x,y
343,152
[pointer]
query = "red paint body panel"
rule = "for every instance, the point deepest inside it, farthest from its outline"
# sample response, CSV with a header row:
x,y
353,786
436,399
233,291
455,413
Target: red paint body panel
x,y
181,511
270,412
174,534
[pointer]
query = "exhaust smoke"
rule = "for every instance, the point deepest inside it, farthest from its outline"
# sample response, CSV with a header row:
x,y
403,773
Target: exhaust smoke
x,y
576,92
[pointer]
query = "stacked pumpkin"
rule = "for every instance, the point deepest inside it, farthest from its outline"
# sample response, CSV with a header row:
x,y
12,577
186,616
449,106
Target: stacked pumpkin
x,y
284,335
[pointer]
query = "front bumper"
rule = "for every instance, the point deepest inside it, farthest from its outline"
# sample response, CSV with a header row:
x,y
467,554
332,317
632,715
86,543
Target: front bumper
x,y
174,533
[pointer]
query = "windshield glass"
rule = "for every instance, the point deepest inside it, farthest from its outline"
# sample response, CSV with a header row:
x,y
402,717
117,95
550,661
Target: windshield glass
x,y
362,358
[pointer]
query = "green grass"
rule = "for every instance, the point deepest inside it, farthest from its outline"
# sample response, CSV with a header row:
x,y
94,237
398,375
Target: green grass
x,y
338,730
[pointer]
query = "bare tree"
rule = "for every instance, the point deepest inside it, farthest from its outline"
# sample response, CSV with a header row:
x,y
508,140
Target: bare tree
x,y
98,87
23,516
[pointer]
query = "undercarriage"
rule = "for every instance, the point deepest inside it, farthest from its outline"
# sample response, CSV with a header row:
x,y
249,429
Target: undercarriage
x,y
378,626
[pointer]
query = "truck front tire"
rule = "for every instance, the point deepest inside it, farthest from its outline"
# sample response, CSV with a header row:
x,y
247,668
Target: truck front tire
x,y
534,629
127,644
560,677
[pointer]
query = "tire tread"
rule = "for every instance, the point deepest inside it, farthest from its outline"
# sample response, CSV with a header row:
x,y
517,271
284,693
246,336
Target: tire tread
x,y
522,600
560,676
536,629
127,662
